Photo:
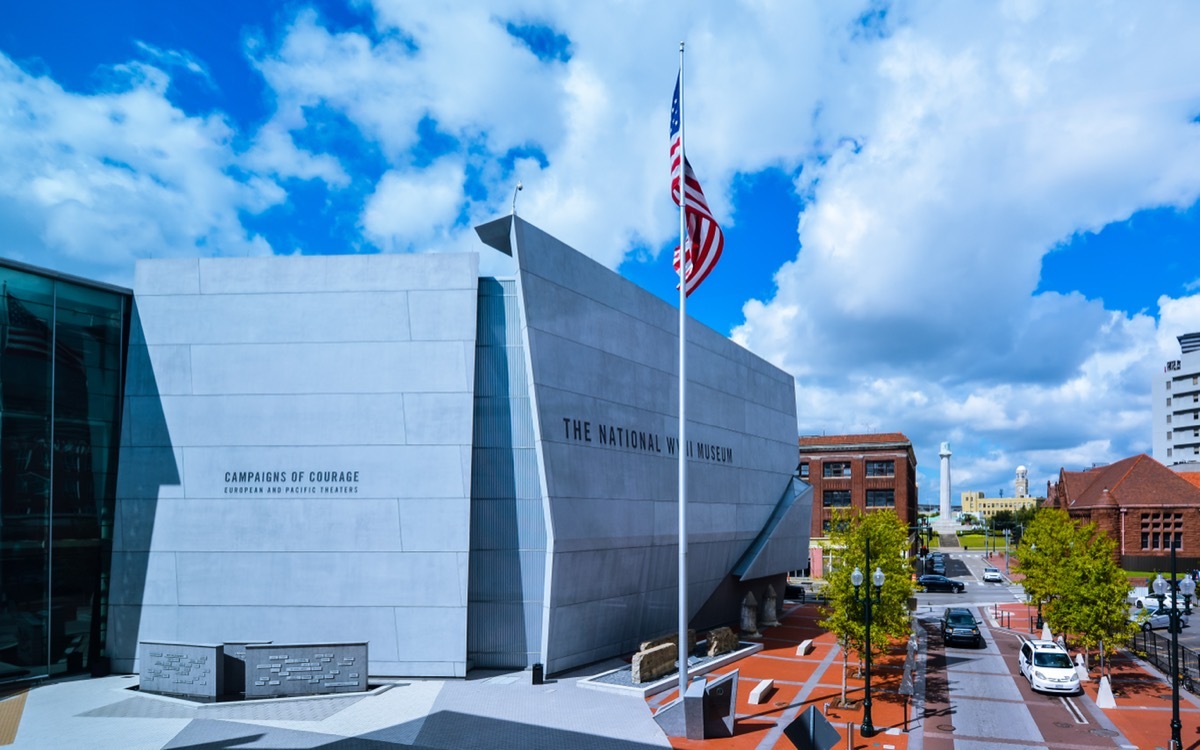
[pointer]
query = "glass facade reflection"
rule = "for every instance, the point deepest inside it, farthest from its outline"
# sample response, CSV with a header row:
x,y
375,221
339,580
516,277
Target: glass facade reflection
x,y
62,347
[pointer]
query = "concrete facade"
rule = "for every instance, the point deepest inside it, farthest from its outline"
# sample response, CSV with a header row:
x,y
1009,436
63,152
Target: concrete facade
x,y
295,456
458,471
1175,394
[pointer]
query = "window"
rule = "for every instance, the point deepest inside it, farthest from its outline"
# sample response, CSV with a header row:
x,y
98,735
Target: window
x,y
836,469
1168,419
804,470
837,498
1168,400
1160,529
881,498
881,468
1168,434
1195,397
1168,385
1168,452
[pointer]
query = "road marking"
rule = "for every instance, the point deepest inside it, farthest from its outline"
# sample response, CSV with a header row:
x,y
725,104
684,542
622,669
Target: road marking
x,y
1073,710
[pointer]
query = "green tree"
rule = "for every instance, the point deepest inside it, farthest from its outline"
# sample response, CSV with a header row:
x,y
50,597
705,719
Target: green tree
x,y
843,613
1072,571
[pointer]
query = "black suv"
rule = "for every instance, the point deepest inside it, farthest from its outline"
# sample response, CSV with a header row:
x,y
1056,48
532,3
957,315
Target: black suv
x,y
958,624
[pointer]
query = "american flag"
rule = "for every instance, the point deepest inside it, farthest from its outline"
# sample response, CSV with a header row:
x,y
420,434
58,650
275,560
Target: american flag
x,y
26,333
705,241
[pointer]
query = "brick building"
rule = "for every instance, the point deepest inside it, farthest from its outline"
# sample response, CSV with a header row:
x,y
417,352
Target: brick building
x,y
857,471
1141,504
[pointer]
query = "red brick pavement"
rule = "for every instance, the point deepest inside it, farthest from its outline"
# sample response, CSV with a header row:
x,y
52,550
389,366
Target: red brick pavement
x,y
1142,695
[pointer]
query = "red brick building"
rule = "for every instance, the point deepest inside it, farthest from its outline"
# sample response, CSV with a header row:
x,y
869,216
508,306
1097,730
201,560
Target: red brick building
x,y
1141,504
863,472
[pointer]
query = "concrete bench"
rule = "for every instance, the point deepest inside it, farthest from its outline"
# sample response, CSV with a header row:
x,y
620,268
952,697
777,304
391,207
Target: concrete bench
x,y
761,691
805,647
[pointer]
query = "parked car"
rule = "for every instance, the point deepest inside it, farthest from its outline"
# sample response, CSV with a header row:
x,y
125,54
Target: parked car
x,y
933,582
992,575
1048,667
1150,601
937,567
1158,618
958,624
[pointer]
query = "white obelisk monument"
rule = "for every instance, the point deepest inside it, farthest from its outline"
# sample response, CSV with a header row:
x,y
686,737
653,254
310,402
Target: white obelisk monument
x,y
944,497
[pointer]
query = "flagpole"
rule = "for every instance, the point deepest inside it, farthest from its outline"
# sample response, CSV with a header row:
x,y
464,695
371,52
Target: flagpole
x,y
683,258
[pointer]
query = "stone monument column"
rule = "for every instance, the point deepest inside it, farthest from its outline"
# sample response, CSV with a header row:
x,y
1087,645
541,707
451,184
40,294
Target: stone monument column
x,y
944,496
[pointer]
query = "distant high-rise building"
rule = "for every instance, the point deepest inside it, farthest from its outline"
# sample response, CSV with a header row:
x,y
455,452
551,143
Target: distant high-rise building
x,y
1176,406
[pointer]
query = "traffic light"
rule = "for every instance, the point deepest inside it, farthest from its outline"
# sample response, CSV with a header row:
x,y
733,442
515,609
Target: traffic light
x,y
924,550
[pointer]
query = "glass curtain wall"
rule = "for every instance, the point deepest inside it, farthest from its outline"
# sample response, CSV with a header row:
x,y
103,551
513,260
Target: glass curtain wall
x,y
62,346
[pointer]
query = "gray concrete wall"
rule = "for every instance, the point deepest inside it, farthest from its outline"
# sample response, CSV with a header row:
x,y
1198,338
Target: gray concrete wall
x,y
604,365
346,382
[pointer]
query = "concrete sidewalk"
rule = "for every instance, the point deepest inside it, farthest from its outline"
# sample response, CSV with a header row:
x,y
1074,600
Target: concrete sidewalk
x,y
503,710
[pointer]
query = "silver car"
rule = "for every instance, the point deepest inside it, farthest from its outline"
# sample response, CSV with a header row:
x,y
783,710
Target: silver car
x,y
1158,618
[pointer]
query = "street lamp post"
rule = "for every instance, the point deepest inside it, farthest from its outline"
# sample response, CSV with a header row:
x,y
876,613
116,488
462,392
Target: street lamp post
x,y
868,727
1187,587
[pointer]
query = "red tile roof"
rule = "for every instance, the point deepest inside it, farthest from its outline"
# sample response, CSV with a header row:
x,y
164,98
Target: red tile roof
x,y
1191,476
1137,480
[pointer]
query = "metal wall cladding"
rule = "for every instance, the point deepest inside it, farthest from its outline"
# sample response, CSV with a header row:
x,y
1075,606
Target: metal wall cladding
x,y
506,586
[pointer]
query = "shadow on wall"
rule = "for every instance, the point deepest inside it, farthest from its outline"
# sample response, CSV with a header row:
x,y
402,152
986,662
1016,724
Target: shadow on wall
x,y
146,465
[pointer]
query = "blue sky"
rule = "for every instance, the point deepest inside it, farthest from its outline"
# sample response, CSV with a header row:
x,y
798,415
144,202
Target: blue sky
x,y
973,223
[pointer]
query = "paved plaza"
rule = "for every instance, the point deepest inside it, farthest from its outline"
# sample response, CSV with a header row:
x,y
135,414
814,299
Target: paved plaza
x,y
964,699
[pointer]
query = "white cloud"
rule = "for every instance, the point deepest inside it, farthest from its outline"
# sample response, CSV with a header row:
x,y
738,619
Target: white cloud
x,y
942,150
409,210
87,183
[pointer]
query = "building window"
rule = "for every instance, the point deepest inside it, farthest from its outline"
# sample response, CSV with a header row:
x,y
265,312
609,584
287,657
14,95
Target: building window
x,y
1160,529
1168,434
881,468
1168,400
1168,385
881,498
836,469
804,470
837,498
1168,452
1168,419
1195,397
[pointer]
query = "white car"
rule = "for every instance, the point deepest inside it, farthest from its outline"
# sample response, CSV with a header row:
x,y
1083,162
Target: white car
x,y
1158,618
992,575
1048,667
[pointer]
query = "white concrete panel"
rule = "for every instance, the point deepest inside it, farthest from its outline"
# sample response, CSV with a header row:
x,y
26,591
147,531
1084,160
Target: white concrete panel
x,y
389,367
143,577
157,370
270,317
375,625
344,273
432,633
443,315
150,472
327,579
270,420
438,418
279,524
167,276
435,525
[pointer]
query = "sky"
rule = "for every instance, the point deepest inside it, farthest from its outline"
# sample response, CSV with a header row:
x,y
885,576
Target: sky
x,y
967,222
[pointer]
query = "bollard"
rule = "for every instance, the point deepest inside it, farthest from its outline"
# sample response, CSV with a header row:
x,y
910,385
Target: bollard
x,y
538,676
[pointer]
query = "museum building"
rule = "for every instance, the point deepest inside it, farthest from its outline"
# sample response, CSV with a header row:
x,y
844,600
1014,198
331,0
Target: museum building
x,y
461,471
